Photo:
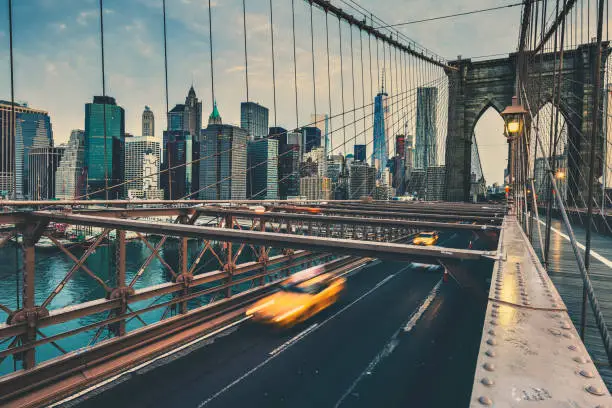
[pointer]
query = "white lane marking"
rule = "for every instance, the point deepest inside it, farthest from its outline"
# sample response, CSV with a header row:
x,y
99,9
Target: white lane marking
x,y
289,342
138,367
595,255
272,357
358,268
417,314
392,343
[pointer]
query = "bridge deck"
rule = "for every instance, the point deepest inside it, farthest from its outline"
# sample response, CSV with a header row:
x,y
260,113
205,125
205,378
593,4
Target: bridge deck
x,y
566,277
394,339
529,349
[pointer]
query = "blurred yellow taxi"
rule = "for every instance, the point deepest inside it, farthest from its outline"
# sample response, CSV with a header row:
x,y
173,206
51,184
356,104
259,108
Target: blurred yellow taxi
x,y
426,238
300,297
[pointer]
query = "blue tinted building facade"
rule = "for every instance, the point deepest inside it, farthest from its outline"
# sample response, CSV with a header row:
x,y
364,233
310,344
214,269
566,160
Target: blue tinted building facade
x,y
380,154
176,183
104,153
311,138
262,182
254,119
360,153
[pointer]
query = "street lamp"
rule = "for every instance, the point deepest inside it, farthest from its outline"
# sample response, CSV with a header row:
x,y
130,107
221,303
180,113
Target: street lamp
x,y
514,119
560,175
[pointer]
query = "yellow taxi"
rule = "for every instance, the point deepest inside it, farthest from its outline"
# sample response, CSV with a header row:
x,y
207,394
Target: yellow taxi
x,y
300,297
426,238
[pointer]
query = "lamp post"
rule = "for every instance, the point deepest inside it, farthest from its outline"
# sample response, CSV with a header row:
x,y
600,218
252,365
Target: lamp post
x,y
514,123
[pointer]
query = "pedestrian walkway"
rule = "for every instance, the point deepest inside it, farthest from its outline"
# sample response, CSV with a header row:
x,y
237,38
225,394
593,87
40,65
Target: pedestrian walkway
x,y
565,274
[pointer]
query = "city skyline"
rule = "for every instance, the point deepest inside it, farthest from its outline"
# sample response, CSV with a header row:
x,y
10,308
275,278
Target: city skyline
x,y
134,57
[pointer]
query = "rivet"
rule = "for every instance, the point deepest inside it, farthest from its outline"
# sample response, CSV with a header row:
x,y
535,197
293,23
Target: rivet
x,y
495,305
490,353
526,302
494,314
493,322
487,381
566,326
581,360
594,390
572,347
586,373
556,332
553,304
485,400
568,335
488,367
492,332
491,342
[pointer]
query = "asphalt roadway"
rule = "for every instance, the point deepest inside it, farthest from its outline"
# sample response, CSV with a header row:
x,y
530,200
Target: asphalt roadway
x,y
399,336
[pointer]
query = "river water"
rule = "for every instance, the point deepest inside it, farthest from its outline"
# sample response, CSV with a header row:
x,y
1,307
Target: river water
x,y
52,266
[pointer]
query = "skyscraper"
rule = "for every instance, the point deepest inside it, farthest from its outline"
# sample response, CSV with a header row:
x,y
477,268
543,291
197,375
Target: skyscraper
x,y
311,138
321,121
176,182
223,172
43,164
288,161
360,152
104,159
362,180
254,119
193,114
71,175
400,146
32,129
262,164
142,164
315,188
426,130
148,122
380,153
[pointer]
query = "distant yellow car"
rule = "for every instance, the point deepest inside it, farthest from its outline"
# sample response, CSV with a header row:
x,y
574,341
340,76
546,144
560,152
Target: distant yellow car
x,y
426,238
300,297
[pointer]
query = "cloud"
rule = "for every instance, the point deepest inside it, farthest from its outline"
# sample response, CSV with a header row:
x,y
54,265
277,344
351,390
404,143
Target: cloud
x,y
85,16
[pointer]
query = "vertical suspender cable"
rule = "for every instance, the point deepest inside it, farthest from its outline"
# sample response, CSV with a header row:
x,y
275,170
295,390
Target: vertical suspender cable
x,y
167,104
342,81
550,158
297,118
328,77
273,63
9,148
353,83
362,85
314,77
210,37
591,180
104,95
246,59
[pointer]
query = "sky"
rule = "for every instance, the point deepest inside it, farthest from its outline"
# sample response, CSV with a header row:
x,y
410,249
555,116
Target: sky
x,y
57,60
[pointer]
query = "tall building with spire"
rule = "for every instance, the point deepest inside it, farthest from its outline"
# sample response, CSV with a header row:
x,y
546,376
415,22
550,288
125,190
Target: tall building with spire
x,y
380,154
148,122
215,117
181,146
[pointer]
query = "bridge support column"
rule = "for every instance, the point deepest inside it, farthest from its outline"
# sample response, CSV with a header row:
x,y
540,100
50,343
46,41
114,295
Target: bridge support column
x,y
120,281
29,263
